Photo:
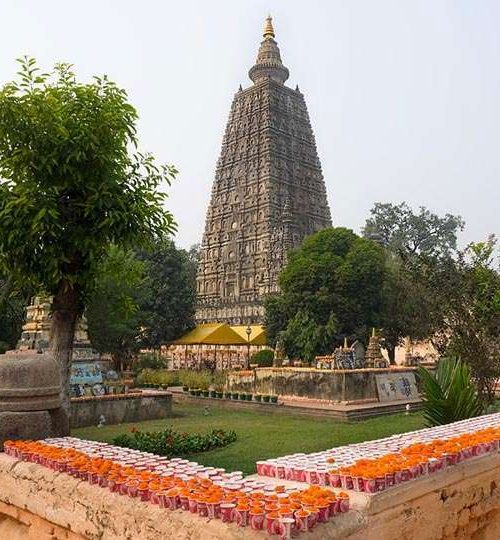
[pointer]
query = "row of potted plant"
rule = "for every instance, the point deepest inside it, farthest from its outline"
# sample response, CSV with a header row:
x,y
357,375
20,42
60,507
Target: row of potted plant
x,y
236,396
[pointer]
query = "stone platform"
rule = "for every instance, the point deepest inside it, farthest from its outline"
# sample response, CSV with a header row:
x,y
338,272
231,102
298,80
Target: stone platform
x,y
335,386
343,412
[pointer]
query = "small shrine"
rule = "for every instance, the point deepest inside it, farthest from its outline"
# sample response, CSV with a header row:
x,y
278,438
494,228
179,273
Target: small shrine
x,y
91,375
374,358
36,330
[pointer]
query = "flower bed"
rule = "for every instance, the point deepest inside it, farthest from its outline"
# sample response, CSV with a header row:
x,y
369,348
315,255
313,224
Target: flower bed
x,y
179,484
170,442
378,465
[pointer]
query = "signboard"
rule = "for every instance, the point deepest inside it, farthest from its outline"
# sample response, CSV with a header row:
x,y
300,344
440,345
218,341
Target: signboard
x,y
85,373
396,386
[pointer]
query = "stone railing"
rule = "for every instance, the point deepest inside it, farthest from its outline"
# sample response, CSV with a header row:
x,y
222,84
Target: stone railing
x,y
120,408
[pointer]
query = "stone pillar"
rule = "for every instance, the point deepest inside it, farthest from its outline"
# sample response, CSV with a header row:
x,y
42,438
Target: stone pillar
x,y
29,396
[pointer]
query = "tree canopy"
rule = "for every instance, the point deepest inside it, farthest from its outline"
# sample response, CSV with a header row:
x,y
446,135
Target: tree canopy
x,y
406,233
142,299
469,292
170,306
114,314
72,184
331,287
415,243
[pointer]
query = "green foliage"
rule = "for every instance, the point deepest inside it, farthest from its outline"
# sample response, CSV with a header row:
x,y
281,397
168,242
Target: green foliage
x,y
263,358
158,377
406,233
449,395
203,379
218,380
169,308
149,361
330,288
410,307
469,295
70,186
113,313
142,300
416,244
172,443
12,313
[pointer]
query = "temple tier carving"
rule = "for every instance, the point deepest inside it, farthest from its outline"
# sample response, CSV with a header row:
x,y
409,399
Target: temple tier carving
x,y
268,194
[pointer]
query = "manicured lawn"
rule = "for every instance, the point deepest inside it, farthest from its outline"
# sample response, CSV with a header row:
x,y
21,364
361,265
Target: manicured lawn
x,y
262,436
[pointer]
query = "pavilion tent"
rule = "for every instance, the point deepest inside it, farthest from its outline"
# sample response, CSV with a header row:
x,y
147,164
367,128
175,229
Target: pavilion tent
x,y
212,334
258,334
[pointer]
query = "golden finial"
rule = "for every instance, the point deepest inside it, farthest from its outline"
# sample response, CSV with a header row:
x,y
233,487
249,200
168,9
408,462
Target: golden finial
x,y
345,344
374,334
268,27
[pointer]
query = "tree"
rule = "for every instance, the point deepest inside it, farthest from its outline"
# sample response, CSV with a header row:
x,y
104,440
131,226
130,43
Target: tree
x,y
416,244
142,299
470,296
406,233
169,309
331,287
70,189
114,315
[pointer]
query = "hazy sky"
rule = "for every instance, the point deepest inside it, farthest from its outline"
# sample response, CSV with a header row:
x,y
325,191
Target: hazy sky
x,y
403,95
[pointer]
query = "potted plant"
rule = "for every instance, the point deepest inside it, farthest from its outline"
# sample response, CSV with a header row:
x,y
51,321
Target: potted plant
x,y
185,388
274,399
243,397
192,391
205,393
234,395
265,398
227,395
219,395
258,397
249,397
212,394
198,392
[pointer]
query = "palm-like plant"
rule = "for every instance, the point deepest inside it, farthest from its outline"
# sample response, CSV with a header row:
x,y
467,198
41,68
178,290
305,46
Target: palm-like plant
x,y
449,394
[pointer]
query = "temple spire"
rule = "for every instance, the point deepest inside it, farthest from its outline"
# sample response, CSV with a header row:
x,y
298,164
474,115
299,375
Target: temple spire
x,y
268,28
268,64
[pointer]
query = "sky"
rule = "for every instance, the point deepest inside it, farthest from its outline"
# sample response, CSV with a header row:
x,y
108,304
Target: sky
x,y
403,95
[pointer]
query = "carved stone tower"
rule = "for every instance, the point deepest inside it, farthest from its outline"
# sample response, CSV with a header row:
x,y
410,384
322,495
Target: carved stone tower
x,y
268,194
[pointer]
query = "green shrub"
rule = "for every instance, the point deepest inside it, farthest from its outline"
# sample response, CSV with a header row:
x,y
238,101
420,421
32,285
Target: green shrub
x,y
158,378
263,358
149,361
449,395
219,380
195,379
172,443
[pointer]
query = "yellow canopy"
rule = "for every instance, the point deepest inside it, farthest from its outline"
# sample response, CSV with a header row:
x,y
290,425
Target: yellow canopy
x,y
258,335
211,334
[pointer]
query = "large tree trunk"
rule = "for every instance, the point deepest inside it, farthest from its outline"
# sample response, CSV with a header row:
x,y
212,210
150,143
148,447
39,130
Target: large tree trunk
x,y
66,308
